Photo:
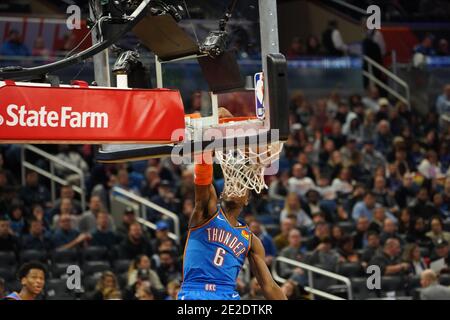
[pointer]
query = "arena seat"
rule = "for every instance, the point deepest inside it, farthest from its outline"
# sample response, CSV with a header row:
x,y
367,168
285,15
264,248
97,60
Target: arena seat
x,y
7,274
321,282
94,254
339,290
350,269
360,290
392,283
414,282
13,285
121,265
59,269
447,225
444,279
7,259
93,267
56,289
29,255
123,279
90,282
65,256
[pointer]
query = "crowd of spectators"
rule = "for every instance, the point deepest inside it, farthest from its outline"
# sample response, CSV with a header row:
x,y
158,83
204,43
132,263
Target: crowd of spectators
x,y
13,46
361,182
332,44
401,10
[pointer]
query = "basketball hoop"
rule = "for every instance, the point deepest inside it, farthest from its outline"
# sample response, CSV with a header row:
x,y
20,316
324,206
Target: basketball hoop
x,y
243,169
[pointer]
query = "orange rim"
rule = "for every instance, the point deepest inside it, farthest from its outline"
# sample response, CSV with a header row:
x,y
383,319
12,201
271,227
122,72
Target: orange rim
x,y
193,115
236,119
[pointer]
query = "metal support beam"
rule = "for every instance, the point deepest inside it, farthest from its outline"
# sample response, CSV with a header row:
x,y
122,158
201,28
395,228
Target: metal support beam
x,y
268,19
101,60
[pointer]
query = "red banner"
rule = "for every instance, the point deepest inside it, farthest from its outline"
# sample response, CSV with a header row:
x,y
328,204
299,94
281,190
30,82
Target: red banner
x,y
38,113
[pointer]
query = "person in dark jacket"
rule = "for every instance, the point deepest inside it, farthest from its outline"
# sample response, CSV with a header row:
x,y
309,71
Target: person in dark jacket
x,y
135,244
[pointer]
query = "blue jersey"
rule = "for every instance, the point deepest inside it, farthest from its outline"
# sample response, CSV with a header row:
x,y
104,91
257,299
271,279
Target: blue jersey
x,y
213,257
13,296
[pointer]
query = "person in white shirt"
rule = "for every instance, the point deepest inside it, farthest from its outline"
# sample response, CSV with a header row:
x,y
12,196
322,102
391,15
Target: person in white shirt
x,y
343,184
332,40
430,167
299,183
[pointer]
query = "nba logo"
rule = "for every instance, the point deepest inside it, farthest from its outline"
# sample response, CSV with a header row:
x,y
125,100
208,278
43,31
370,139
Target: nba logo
x,y
259,95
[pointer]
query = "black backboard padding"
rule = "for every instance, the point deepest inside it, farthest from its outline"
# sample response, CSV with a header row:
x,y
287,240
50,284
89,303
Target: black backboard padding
x,y
159,151
278,94
222,73
163,36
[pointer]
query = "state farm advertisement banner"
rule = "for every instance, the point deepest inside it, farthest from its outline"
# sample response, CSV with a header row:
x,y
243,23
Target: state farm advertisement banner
x,y
73,114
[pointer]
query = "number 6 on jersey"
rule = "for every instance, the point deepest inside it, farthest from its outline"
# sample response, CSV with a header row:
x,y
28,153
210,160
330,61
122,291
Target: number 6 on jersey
x,y
219,257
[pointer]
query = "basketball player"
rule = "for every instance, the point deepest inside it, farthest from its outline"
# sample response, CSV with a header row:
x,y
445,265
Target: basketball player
x,y
32,278
217,244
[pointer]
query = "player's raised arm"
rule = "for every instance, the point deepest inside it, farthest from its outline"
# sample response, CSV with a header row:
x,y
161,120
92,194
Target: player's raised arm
x,y
259,268
205,194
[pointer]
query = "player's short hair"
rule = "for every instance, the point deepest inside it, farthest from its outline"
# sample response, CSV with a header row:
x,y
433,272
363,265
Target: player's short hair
x,y
25,268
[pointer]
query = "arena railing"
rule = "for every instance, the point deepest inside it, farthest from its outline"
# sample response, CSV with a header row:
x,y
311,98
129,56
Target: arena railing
x,y
310,271
51,174
145,204
372,64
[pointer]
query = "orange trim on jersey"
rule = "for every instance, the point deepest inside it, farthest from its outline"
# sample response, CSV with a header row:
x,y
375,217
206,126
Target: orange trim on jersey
x,y
235,227
249,244
184,255
205,223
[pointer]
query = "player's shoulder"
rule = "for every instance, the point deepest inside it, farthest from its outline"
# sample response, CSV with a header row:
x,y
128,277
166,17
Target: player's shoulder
x,y
195,225
12,296
256,245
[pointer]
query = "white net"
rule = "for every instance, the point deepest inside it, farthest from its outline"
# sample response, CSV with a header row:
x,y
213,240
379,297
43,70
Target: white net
x,y
244,169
